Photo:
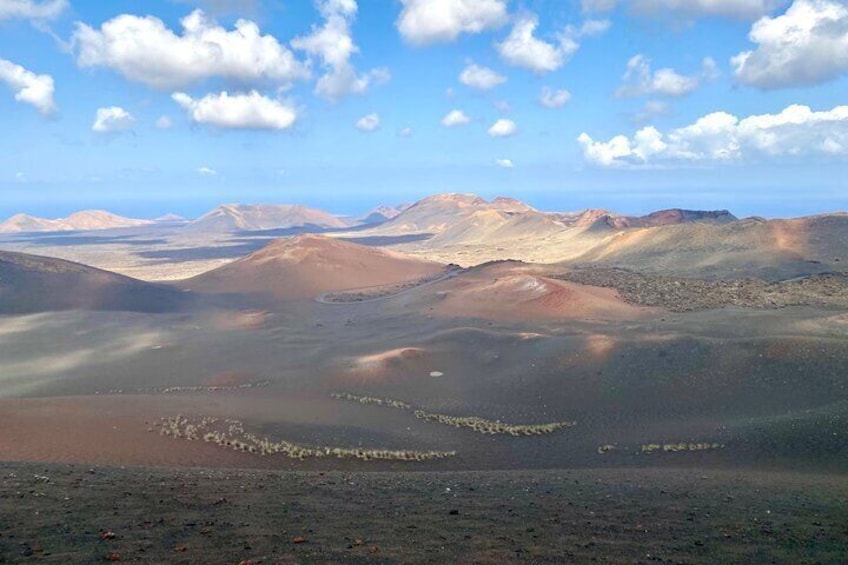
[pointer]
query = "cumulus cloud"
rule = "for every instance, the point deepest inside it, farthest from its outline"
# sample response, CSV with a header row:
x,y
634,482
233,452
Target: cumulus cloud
x,y
523,49
720,137
29,88
551,98
739,9
113,119
333,45
641,80
144,50
238,111
423,22
455,118
805,46
503,128
32,9
368,122
207,172
505,163
405,132
481,78
164,122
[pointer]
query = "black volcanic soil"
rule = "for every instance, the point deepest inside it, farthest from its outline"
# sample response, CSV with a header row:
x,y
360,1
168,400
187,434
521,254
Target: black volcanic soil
x,y
77,514
680,294
660,401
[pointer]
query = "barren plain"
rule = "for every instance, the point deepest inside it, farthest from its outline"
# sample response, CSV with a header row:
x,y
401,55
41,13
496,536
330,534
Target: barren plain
x,y
573,386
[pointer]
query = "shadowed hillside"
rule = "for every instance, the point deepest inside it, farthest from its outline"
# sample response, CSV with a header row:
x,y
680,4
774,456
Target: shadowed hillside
x,y
30,283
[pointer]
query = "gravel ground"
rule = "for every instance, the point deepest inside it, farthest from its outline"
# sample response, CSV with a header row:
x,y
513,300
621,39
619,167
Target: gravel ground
x,y
686,295
76,514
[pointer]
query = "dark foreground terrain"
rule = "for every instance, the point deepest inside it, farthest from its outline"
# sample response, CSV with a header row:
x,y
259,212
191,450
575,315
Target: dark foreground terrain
x,y
77,514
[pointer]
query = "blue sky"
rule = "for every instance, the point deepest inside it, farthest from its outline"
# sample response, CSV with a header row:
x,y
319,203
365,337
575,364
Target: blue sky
x,y
632,105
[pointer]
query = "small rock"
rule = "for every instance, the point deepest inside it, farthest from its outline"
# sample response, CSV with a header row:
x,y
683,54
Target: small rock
x,y
112,556
298,539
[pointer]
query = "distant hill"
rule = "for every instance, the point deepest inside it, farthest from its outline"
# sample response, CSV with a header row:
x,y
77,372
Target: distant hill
x,y
438,213
382,214
459,218
31,283
27,223
307,265
462,220
469,230
254,217
668,217
771,249
170,218
83,220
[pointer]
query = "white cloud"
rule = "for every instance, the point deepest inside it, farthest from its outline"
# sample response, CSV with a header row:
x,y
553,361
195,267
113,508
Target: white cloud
x,y
502,106
405,132
795,132
592,28
651,110
112,119
333,44
505,163
206,171
164,122
523,49
740,9
20,177
551,98
423,22
641,80
455,118
482,78
32,9
29,88
238,111
144,50
805,46
369,122
503,128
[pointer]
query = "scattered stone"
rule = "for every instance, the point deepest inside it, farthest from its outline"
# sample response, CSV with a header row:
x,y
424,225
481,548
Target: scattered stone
x,y
680,294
